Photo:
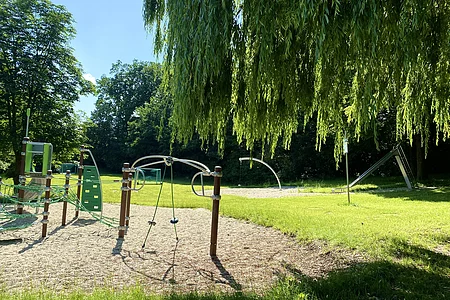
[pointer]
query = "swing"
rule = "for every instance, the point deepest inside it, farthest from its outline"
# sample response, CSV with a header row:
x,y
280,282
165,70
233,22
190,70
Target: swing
x,y
168,162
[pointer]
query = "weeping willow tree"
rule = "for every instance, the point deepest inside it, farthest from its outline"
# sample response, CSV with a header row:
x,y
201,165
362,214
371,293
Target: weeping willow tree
x,y
265,63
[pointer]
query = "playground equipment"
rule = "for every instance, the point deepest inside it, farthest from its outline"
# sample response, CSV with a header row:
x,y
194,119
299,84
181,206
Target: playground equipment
x,y
402,162
35,150
168,161
30,195
72,167
147,175
264,163
91,196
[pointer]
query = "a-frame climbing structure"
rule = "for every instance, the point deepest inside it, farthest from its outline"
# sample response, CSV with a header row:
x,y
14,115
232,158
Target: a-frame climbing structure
x,y
402,162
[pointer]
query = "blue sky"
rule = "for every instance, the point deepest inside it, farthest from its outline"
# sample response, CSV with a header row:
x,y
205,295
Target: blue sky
x,y
107,31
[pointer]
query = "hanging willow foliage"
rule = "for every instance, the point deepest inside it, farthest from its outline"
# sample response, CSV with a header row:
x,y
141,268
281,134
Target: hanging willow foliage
x,y
265,63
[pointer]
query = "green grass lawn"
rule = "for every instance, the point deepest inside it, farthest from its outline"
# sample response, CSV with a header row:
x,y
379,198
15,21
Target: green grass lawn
x,y
404,234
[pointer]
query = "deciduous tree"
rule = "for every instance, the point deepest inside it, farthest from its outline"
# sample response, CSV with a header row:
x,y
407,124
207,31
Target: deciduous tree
x,y
122,97
38,71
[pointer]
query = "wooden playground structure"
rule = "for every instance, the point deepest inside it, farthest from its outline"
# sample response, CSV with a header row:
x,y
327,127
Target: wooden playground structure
x,y
88,196
40,193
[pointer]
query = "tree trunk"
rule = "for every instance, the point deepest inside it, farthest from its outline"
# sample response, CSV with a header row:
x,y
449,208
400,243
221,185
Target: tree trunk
x,y
16,171
420,158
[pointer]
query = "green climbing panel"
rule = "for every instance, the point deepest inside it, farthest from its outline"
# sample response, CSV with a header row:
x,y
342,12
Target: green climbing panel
x,y
91,198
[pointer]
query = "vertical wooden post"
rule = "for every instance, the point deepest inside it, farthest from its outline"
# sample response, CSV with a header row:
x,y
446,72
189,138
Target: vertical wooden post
x,y
215,210
79,184
127,216
22,178
45,214
66,194
123,200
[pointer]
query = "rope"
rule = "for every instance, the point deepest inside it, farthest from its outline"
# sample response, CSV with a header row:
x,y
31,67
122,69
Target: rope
x,y
152,222
174,220
108,221
57,195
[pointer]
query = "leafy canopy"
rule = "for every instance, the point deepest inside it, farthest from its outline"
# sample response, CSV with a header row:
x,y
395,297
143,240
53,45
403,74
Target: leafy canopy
x,y
38,71
122,100
265,63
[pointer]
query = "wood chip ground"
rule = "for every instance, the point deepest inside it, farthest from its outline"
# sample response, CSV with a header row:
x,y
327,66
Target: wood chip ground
x,y
86,254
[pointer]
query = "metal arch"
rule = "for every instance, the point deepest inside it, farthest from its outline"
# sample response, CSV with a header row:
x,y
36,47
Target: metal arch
x,y
169,160
264,163
192,163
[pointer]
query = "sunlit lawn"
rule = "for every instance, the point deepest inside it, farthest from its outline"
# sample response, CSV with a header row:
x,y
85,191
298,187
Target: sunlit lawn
x,y
404,234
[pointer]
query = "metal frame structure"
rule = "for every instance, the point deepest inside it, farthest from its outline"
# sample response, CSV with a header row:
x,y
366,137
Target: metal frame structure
x,y
402,162
264,163
127,178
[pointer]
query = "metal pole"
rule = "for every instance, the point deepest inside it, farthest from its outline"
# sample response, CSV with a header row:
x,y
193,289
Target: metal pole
x,y
215,210
79,184
123,200
28,120
345,148
66,193
22,178
348,186
127,215
45,214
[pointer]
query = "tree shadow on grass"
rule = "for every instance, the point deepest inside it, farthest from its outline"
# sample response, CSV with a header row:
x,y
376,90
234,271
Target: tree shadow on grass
x,y
414,273
430,194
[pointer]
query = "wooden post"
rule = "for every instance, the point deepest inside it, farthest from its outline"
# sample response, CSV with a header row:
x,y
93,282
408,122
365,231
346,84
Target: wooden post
x,y
22,178
45,214
215,210
79,184
123,201
66,194
127,216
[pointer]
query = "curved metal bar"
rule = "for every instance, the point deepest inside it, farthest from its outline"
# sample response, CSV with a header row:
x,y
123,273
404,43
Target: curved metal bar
x,y
151,164
149,157
195,164
138,169
203,187
264,163
169,160
192,163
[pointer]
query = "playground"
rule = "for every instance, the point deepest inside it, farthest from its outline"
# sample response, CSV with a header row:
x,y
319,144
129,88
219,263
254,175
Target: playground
x,y
169,237
89,255
100,244
260,240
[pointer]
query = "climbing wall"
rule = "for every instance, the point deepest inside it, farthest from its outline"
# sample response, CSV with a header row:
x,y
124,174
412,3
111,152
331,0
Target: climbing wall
x,y
91,196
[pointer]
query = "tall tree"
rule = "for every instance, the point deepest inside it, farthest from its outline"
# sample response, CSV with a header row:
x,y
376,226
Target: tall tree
x,y
38,71
150,130
264,63
121,97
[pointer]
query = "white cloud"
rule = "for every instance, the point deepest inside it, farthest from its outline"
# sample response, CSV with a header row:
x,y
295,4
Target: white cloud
x,y
89,77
